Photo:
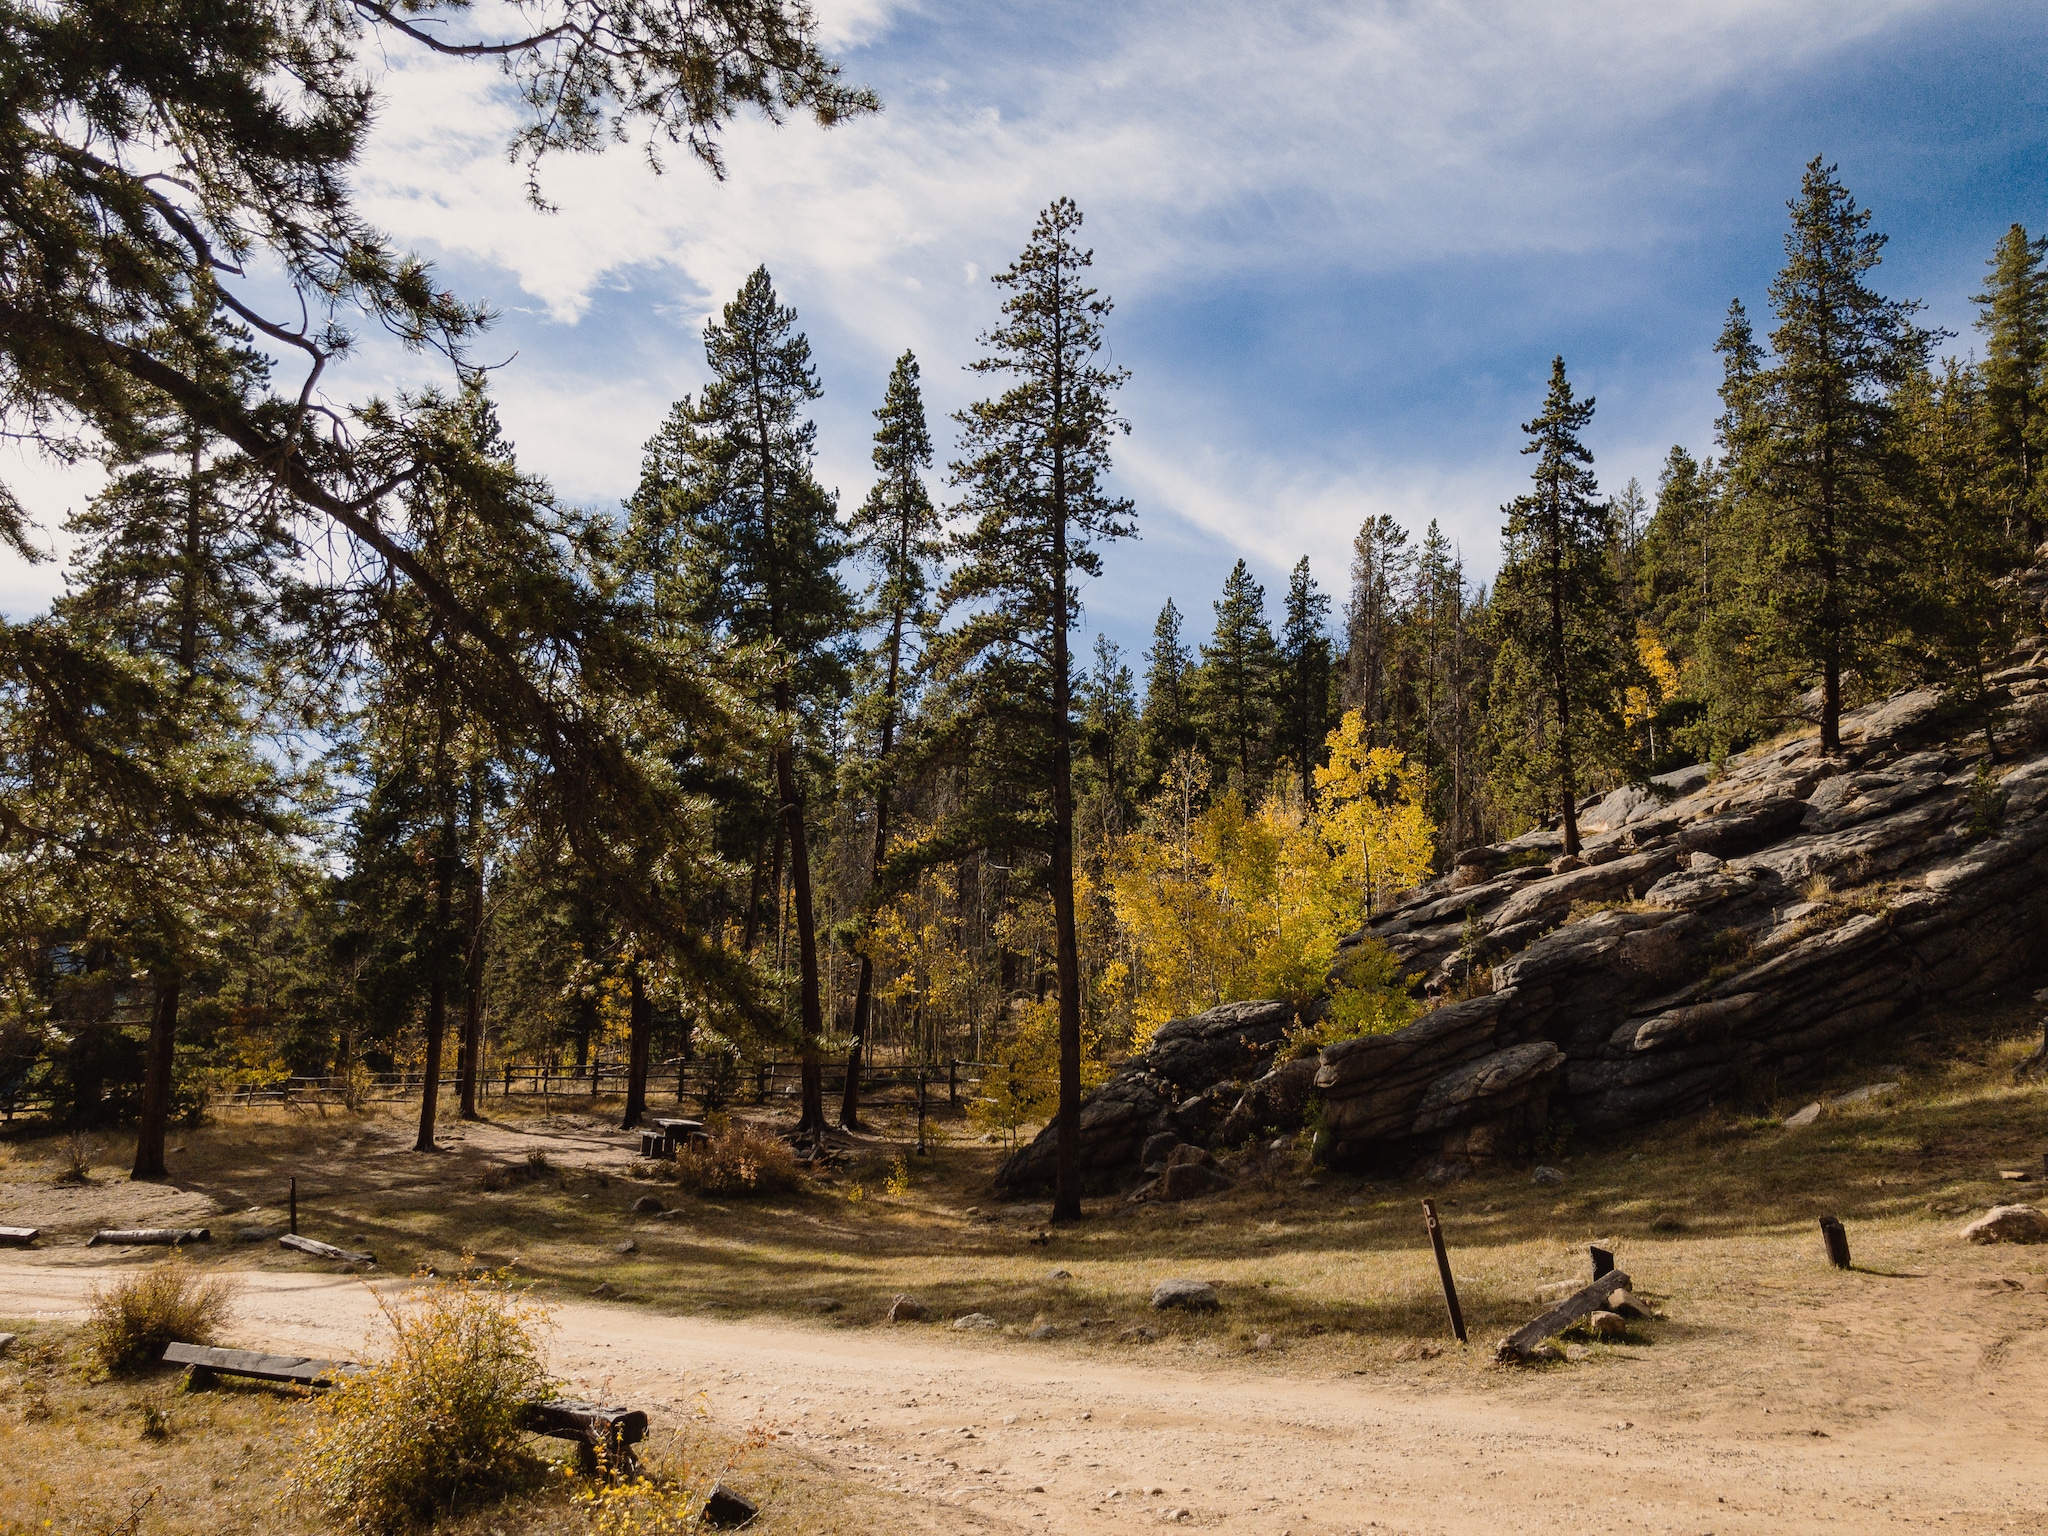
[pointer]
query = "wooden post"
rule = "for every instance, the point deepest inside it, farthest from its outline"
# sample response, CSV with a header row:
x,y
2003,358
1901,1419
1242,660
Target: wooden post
x,y
1443,1268
295,1205
921,1151
953,1081
1603,1260
1835,1240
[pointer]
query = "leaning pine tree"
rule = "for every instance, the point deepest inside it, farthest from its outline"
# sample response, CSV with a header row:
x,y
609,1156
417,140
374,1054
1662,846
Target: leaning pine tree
x,y
1555,607
1035,508
896,532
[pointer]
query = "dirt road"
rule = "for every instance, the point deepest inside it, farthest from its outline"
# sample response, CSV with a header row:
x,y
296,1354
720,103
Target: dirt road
x,y
1032,1440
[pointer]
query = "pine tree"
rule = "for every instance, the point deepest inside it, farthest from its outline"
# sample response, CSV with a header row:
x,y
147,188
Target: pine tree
x,y
1826,471
1240,671
1305,667
1556,607
1436,621
1955,514
896,533
1110,709
2014,321
1382,565
1169,725
1031,477
742,540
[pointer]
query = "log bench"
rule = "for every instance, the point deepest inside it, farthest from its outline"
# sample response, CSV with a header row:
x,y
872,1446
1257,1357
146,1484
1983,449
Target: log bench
x,y
597,1430
18,1237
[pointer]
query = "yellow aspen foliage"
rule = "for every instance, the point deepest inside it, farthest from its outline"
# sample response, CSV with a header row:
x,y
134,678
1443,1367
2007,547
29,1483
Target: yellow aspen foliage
x,y
1230,903
1373,815
1641,703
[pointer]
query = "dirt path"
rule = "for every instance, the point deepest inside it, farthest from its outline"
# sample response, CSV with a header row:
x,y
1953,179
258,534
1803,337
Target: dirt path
x,y
1047,1443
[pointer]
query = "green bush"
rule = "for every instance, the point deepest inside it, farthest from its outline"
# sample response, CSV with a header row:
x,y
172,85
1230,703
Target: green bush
x,y
129,1324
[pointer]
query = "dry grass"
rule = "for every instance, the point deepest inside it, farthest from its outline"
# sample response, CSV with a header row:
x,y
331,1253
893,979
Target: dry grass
x,y
1715,1214
738,1158
133,1319
84,1454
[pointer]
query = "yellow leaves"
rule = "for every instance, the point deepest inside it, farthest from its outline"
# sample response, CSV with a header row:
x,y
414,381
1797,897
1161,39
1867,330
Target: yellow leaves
x,y
1373,814
1231,903
1639,704
1025,1087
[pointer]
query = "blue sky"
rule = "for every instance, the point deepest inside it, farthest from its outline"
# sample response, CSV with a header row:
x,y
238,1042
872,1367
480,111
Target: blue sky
x,y
1344,241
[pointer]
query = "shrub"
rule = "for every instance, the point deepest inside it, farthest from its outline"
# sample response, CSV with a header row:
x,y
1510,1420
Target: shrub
x,y
129,1324
74,1158
534,1169
738,1160
440,1422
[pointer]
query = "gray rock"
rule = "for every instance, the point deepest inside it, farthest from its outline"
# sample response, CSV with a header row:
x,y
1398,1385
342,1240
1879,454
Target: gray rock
x,y
1184,1295
1187,1181
2008,1224
1157,1148
7,1342
628,1246
1547,1175
905,1309
1800,1118
1607,1325
647,1205
1276,1102
974,1322
1060,1274
1043,1331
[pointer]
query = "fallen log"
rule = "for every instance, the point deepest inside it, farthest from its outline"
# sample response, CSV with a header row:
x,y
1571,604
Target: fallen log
x,y
18,1237
140,1236
1583,1302
321,1250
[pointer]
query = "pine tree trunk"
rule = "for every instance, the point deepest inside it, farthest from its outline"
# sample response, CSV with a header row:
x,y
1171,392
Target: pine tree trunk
x,y
864,990
437,991
1066,1205
812,1116
473,980
640,1028
156,1082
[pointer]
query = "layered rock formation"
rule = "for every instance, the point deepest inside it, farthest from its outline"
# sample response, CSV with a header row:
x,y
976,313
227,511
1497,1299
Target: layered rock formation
x,y
1718,931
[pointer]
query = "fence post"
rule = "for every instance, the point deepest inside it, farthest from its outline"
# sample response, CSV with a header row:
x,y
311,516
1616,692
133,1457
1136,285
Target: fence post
x,y
922,1150
953,1082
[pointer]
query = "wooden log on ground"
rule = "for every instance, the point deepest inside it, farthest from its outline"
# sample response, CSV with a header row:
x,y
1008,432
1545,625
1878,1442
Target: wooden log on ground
x,y
321,1250
18,1237
1583,1302
142,1236
1835,1241
203,1362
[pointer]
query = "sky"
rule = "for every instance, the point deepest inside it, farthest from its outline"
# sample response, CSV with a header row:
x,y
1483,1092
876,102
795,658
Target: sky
x,y
1344,241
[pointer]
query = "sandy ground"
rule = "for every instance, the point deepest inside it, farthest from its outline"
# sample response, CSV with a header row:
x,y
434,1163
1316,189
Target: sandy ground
x,y
1041,1443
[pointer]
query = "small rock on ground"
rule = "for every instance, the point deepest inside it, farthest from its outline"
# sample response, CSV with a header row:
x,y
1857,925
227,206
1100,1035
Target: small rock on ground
x,y
6,1342
726,1510
1060,1274
1547,1175
1187,1295
1805,1116
907,1309
1044,1331
647,1205
1608,1325
2008,1224
974,1320
821,1304
628,1246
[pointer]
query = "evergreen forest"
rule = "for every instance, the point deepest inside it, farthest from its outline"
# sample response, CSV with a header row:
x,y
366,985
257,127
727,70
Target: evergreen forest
x,y
352,749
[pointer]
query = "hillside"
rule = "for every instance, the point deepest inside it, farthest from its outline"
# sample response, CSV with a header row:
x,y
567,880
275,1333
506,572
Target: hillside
x,y
1721,935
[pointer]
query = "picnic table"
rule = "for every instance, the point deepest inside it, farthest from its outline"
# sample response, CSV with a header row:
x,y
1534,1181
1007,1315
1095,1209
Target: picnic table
x,y
668,1135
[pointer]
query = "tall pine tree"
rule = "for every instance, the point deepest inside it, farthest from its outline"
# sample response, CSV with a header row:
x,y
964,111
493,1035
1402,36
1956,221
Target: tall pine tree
x,y
2014,320
896,533
1556,608
1168,726
1031,475
1240,670
1304,676
742,539
1827,470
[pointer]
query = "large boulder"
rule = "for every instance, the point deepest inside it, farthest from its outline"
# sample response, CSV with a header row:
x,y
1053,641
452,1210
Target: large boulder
x,y
2008,1224
1173,1085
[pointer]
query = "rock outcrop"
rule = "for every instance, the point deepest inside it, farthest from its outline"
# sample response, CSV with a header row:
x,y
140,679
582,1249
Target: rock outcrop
x,y
1718,929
